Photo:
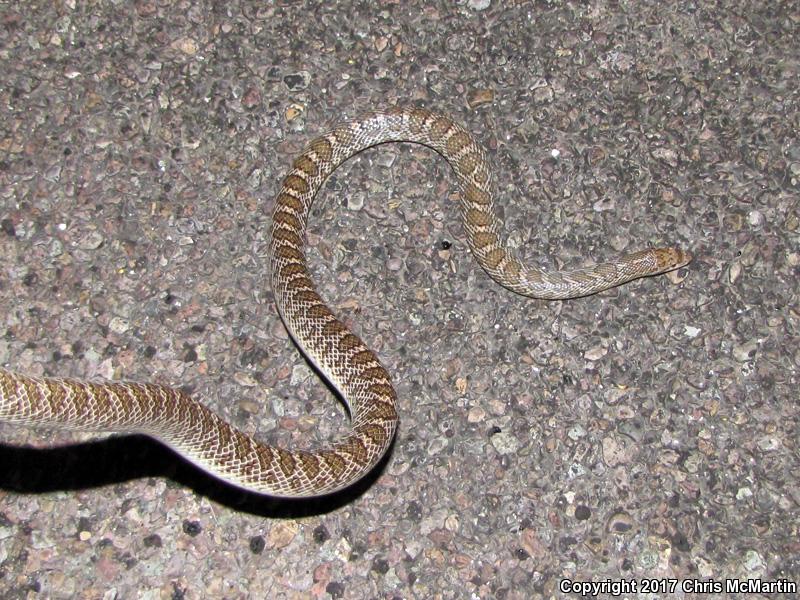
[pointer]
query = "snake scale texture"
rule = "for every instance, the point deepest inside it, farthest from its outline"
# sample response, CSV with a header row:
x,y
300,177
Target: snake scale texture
x,y
208,441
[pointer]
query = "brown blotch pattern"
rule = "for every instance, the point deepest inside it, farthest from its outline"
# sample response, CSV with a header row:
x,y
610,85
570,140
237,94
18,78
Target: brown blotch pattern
x,y
296,183
381,389
513,269
334,462
495,257
355,448
457,142
468,163
237,453
55,391
289,201
350,342
285,461
292,269
384,410
322,148
287,253
475,195
102,404
319,311
374,432
308,296
363,357
439,127
376,373
299,283
305,164
310,464
478,217
483,239
287,236
265,458
417,119
343,136
286,219
333,329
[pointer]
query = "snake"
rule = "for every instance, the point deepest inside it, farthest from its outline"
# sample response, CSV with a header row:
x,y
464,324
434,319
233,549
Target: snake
x,y
172,417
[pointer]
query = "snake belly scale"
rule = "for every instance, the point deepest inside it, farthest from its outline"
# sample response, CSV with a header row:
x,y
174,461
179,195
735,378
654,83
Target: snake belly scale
x,y
205,439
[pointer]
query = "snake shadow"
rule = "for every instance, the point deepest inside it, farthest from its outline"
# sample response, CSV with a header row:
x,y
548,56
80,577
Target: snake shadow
x,y
120,459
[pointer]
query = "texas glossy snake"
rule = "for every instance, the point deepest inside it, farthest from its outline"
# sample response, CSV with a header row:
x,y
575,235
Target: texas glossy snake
x,y
205,439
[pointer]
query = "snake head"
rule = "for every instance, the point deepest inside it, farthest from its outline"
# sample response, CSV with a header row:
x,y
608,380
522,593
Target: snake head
x,y
669,259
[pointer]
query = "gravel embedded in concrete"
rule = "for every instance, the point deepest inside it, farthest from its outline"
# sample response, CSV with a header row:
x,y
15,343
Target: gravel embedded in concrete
x,y
648,432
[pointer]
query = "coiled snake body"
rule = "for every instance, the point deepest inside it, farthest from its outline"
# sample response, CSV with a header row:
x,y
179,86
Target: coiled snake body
x,y
205,439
